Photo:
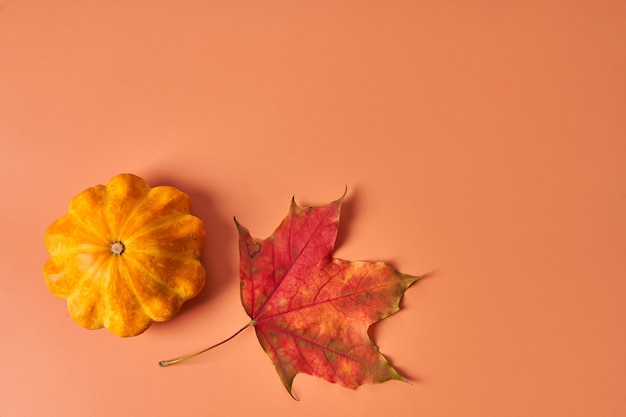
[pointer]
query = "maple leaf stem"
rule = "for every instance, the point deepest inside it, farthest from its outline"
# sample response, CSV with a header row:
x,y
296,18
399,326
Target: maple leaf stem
x,y
193,355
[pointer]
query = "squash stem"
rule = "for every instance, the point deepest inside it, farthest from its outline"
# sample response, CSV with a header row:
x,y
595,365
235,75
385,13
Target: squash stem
x,y
193,355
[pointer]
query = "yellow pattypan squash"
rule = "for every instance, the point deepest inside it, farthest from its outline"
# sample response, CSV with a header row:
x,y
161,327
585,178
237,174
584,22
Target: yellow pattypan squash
x,y
125,255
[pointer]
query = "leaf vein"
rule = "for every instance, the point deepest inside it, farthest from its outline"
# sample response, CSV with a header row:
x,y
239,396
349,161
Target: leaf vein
x,y
312,342
330,301
292,262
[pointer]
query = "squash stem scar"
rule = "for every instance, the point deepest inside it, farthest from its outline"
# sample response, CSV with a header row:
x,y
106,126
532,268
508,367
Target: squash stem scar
x,y
117,248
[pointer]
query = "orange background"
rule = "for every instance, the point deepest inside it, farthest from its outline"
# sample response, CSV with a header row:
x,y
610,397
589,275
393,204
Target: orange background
x,y
484,141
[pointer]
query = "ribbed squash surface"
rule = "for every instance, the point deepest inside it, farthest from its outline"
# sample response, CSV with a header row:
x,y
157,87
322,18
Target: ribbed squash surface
x,y
125,255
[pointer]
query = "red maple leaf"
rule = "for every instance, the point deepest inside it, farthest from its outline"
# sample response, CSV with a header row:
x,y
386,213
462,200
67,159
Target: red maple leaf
x,y
311,311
